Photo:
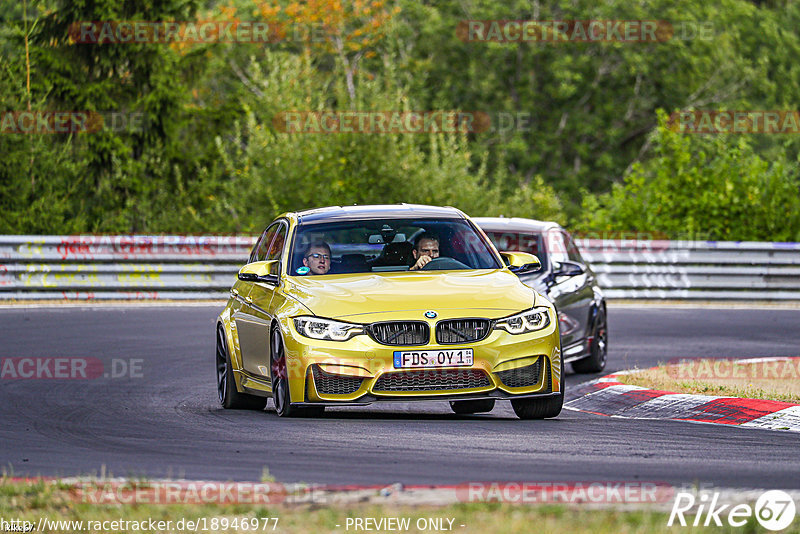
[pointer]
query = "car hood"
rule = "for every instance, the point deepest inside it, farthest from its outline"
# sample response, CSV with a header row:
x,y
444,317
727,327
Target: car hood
x,y
378,293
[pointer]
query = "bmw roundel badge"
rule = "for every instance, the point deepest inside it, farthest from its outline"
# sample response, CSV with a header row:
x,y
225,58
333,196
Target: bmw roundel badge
x,y
430,314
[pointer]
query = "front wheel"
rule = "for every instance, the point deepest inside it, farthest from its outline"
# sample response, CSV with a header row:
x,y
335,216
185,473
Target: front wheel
x,y
543,408
281,395
229,397
598,352
472,406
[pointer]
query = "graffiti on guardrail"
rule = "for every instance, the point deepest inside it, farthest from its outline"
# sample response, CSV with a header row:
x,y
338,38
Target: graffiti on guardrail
x,y
88,246
89,276
31,249
627,265
125,247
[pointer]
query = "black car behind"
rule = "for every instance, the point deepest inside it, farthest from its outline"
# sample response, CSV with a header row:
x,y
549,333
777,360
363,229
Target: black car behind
x,y
565,279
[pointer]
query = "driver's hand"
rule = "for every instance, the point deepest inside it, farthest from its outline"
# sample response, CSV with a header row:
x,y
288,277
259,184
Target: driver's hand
x,y
422,261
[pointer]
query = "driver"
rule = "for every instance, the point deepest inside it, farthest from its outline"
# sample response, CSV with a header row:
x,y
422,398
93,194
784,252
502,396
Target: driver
x,y
426,248
318,258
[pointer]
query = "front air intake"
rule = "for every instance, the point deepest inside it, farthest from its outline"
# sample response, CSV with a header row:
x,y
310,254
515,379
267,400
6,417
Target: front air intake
x,y
431,380
522,377
331,384
400,333
454,331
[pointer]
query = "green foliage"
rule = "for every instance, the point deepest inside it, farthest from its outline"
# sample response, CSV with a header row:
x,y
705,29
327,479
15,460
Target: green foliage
x,y
209,159
593,104
101,181
278,171
714,185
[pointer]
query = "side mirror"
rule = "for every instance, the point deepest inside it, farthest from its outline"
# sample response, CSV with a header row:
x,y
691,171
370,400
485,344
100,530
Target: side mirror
x,y
568,268
521,262
260,271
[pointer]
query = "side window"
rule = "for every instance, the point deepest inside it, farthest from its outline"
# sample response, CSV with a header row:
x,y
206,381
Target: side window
x,y
510,241
572,250
266,240
276,248
254,252
556,245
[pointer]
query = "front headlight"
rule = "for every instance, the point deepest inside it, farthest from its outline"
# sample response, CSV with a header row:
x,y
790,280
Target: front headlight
x,y
327,329
527,321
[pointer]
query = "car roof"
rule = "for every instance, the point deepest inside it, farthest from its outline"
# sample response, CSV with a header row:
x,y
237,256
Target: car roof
x,y
379,211
513,224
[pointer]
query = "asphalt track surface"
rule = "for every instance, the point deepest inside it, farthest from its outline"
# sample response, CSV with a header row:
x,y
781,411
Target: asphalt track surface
x,y
167,422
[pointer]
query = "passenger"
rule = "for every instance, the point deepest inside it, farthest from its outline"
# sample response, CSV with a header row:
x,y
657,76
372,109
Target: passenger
x,y
318,258
426,248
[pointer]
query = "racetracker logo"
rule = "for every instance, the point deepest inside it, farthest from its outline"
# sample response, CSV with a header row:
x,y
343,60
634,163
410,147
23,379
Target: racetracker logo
x,y
735,122
69,368
381,122
181,492
139,31
565,31
68,122
735,369
774,510
594,492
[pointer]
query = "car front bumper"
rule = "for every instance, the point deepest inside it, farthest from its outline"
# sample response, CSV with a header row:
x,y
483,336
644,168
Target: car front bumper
x,y
361,371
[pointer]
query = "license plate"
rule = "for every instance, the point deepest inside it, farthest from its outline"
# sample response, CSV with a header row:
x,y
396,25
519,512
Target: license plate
x,y
407,359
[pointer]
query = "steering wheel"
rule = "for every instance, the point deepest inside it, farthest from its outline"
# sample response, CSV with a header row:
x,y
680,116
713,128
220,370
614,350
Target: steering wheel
x,y
443,264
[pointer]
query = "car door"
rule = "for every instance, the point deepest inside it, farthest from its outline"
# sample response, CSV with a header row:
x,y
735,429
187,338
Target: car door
x,y
584,286
254,317
572,295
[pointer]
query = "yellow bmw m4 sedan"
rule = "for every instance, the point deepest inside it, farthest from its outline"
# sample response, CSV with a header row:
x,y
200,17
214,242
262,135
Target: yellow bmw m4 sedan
x,y
362,304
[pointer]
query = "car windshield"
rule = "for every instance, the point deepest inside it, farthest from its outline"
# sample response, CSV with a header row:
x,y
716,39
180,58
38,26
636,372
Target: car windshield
x,y
530,242
385,245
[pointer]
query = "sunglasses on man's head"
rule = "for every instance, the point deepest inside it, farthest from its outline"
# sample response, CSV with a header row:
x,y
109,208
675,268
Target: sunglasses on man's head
x,y
317,256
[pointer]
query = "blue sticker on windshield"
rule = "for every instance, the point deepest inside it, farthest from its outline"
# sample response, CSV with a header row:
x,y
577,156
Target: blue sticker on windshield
x,y
302,270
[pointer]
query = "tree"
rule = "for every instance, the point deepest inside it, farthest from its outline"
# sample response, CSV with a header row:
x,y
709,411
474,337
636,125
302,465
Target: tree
x,y
714,186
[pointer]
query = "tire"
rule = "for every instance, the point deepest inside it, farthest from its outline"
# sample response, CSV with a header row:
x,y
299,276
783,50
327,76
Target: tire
x,y
472,406
543,408
228,396
598,352
281,395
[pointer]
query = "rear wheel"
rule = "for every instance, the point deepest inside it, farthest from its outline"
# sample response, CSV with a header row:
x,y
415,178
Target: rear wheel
x,y
598,351
229,397
543,408
472,406
281,395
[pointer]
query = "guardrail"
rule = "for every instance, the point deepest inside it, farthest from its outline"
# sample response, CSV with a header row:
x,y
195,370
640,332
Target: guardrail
x,y
204,267
710,270
120,267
